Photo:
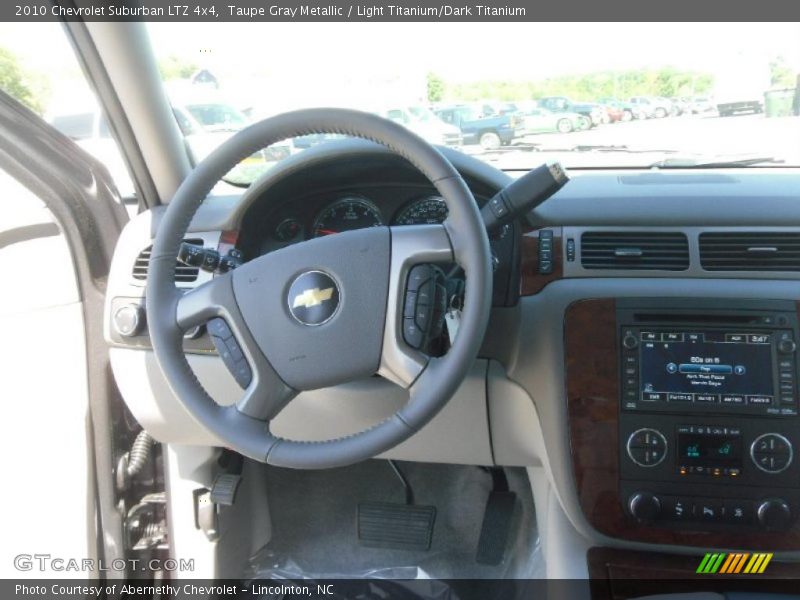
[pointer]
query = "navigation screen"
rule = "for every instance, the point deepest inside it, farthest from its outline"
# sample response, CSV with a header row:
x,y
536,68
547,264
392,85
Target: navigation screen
x,y
707,366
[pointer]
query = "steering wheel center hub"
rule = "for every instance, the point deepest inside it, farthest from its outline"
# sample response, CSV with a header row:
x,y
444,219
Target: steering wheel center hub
x,y
313,298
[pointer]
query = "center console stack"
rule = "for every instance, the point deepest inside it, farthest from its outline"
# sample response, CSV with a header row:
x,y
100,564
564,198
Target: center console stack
x,y
709,413
706,416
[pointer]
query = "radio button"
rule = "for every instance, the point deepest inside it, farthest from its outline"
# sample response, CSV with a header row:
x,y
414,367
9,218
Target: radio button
x,y
732,399
759,399
653,397
680,397
707,398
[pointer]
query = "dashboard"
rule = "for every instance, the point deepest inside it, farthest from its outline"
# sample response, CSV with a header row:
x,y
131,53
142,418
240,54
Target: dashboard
x,y
323,202
642,345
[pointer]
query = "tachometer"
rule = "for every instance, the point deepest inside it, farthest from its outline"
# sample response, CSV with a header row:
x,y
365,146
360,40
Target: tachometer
x,y
346,214
423,211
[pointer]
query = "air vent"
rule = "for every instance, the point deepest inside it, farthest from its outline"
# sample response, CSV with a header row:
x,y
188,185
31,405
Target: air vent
x,y
639,250
183,273
750,251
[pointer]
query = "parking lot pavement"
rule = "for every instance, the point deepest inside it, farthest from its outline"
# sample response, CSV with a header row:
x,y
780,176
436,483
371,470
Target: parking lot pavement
x,y
639,143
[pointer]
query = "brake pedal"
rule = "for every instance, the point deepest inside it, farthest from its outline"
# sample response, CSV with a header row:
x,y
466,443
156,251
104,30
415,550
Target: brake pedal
x,y
399,526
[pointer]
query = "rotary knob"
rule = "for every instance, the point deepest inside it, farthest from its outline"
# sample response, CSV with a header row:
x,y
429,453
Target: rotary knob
x,y
644,506
129,320
786,346
629,342
774,514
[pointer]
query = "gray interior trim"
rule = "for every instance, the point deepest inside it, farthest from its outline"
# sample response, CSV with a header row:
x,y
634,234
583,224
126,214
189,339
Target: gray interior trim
x,y
729,197
136,83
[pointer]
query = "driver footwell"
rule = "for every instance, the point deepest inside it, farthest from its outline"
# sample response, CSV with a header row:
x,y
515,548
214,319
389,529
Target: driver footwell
x,y
314,526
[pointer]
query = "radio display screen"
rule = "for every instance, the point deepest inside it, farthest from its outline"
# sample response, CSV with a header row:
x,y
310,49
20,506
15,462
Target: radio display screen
x,y
715,366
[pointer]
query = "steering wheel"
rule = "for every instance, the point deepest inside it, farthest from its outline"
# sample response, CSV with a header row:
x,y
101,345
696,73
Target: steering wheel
x,y
320,313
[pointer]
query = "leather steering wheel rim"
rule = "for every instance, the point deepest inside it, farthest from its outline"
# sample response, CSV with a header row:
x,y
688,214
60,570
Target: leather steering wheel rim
x,y
240,295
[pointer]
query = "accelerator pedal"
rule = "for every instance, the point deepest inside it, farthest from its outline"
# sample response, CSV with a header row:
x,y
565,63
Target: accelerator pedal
x,y
393,525
497,519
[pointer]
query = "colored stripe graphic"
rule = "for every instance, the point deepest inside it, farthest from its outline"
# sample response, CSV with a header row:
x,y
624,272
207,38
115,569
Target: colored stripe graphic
x,y
764,564
728,563
734,563
740,564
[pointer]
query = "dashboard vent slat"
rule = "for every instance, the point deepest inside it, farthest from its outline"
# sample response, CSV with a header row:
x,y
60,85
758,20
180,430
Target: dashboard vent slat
x,y
183,273
751,251
635,250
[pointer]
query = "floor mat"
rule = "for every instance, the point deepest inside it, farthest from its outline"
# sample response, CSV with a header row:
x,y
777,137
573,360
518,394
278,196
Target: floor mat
x,y
314,523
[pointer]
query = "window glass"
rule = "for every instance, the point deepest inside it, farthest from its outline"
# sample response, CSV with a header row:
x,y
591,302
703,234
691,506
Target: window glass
x,y
38,67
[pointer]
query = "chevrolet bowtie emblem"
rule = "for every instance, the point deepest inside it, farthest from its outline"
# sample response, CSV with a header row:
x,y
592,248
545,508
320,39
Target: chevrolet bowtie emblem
x,y
312,297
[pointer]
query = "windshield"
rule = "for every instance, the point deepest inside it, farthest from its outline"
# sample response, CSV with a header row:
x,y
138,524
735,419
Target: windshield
x,y
591,95
217,117
615,95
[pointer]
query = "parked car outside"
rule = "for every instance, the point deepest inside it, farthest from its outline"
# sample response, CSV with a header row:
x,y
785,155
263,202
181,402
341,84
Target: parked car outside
x,y
653,107
489,132
540,120
702,105
629,111
424,122
561,104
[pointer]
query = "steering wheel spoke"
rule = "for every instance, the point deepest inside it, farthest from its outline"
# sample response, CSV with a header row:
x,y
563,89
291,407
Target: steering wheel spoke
x,y
401,360
213,304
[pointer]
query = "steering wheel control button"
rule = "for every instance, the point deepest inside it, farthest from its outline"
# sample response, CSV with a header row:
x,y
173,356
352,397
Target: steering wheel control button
x,y
424,306
219,328
313,298
129,320
772,453
647,447
230,352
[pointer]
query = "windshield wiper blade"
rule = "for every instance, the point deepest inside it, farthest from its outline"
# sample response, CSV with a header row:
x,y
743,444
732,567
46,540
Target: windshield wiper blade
x,y
695,163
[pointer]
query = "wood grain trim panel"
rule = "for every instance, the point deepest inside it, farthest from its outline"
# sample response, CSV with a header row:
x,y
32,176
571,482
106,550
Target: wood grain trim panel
x,y
531,281
592,387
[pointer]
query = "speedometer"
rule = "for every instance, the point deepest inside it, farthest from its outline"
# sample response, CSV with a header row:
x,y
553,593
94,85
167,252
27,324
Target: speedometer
x,y
346,214
423,211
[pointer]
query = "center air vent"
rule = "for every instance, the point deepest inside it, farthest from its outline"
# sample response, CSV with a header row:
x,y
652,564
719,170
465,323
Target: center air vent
x,y
750,251
635,250
183,273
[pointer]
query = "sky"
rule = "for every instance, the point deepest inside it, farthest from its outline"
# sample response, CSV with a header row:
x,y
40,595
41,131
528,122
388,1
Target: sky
x,y
306,61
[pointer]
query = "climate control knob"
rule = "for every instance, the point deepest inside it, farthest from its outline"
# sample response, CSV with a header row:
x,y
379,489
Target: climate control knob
x,y
647,447
644,506
774,514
